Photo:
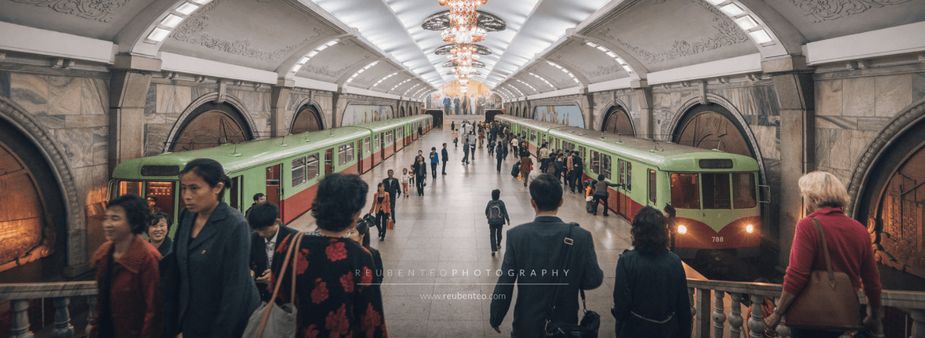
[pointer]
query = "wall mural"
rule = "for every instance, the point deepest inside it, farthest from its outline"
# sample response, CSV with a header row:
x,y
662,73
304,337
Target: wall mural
x,y
569,115
365,113
837,9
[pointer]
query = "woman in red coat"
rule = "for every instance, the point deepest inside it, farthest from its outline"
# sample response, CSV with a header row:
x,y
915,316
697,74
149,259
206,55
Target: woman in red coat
x,y
127,276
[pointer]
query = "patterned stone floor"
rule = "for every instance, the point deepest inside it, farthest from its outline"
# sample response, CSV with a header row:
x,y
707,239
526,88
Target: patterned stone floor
x,y
446,230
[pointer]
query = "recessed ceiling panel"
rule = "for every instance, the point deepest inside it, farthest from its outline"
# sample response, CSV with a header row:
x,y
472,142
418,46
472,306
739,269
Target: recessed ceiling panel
x,y
335,62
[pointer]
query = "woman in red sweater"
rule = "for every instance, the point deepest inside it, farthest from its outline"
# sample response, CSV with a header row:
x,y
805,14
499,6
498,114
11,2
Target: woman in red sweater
x,y
849,244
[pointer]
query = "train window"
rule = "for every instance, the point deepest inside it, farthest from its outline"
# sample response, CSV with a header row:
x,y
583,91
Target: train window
x,y
652,191
163,194
743,190
685,192
596,162
350,153
375,142
605,166
716,192
629,176
160,170
621,170
311,167
298,171
129,187
715,163
345,154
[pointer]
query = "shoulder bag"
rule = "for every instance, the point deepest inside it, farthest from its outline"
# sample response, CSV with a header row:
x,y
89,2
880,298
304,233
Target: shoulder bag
x,y
264,321
591,322
829,301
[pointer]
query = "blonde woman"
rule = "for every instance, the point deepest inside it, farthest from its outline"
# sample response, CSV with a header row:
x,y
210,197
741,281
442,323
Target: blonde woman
x,y
825,198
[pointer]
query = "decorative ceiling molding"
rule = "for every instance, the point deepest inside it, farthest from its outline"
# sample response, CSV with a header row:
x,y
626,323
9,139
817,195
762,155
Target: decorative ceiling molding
x,y
830,10
96,10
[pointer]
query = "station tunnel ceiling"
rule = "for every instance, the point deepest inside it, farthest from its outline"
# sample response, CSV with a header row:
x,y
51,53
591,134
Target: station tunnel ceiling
x,y
590,41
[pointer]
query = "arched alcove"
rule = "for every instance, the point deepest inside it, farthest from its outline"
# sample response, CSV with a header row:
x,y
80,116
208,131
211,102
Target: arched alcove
x,y
618,121
712,126
308,118
209,125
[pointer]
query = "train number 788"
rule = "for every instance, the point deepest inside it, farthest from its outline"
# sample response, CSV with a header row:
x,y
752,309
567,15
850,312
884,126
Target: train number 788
x,y
718,239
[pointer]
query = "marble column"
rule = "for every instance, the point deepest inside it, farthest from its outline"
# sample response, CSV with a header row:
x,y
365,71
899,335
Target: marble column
x,y
128,94
796,97
279,101
643,95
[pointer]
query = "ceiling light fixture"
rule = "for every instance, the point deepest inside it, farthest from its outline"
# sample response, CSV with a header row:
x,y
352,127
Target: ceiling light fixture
x,y
566,71
749,24
611,54
173,19
308,56
361,70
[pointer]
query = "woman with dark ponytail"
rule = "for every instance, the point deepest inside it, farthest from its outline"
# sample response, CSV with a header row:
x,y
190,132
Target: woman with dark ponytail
x,y
214,294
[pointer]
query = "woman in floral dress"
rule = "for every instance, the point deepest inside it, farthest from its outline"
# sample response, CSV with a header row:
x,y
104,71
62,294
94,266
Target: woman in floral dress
x,y
334,274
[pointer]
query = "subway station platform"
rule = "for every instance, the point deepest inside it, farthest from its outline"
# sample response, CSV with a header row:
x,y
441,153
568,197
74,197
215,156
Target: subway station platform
x,y
442,238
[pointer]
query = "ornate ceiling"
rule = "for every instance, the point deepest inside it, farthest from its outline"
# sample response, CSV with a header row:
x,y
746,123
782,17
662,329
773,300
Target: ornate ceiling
x,y
546,45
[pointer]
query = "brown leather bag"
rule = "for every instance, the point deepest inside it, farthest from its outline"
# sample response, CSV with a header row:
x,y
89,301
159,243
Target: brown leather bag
x,y
829,301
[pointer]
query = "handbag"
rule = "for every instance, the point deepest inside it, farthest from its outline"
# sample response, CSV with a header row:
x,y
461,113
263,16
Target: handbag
x,y
828,302
264,321
389,224
590,323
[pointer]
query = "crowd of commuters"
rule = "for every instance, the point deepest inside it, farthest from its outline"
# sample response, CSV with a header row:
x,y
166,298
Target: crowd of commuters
x,y
209,278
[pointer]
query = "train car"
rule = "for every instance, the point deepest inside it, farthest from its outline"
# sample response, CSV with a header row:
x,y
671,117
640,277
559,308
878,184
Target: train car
x,y
286,169
714,193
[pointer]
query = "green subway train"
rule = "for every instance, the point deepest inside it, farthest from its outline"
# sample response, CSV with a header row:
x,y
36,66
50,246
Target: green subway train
x,y
286,169
715,194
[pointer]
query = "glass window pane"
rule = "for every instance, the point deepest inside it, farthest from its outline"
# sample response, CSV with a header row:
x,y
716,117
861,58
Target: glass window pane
x,y
629,176
605,166
744,190
129,187
716,191
595,162
298,171
312,166
685,193
652,191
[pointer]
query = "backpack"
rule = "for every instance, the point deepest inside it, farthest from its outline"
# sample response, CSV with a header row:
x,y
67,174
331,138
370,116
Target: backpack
x,y
494,213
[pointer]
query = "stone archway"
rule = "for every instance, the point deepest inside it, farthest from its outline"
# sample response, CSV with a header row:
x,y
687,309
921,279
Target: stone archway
x,y
618,121
712,126
888,188
209,125
308,118
43,215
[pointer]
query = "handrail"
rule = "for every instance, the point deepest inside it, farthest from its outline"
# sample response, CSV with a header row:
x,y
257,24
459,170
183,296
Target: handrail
x,y
909,300
25,291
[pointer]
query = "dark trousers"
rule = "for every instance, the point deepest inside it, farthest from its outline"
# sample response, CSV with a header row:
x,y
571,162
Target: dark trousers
x,y
392,204
576,177
381,221
804,333
433,169
498,159
419,181
444,166
465,153
495,236
599,198
570,177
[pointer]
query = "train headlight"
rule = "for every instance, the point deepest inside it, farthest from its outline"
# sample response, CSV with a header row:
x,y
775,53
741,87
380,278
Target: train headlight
x,y
749,228
682,229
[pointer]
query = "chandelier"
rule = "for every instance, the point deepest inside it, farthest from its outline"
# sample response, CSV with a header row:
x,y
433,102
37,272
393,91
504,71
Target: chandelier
x,y
461,27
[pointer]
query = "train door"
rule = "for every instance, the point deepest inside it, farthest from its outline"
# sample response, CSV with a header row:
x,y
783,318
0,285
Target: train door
x,y
395,135
237,201
328,161
621,190
274,187
360,166
382,145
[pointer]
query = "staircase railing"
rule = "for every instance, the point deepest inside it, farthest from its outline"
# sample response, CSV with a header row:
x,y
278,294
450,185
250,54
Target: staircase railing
x,y
718,303
20,295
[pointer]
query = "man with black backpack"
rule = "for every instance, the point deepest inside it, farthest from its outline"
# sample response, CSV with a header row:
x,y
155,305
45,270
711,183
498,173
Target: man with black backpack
x,y
497,216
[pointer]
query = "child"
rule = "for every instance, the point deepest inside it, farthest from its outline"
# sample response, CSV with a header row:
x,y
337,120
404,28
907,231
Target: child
x,y
405,180
455,139
589,195
496,213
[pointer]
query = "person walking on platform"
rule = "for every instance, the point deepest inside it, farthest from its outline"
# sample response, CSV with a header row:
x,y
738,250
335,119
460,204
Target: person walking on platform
x,y
406,178
526,166
335,295
650,290
465,160
381,208
577,170
472,141
394,189
420,174
601,195
499,154
455,139
434,161
850,255
127,274
497,215
215,292
453,126
445,155
550,297
514,143
268,233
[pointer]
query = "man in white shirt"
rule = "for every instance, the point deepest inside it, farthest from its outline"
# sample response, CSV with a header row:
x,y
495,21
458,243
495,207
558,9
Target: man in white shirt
x,y
268,233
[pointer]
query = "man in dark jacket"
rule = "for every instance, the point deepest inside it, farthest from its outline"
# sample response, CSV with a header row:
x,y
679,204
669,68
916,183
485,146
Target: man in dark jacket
x,y
445,155
393,187
268,233
530,249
